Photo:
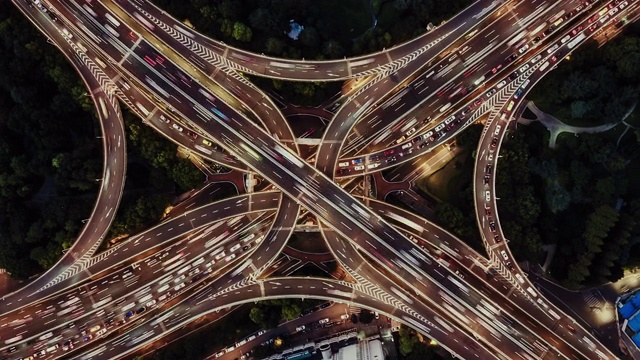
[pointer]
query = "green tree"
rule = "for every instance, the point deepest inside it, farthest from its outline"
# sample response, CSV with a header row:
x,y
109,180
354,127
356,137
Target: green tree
x,y
241,32
274,46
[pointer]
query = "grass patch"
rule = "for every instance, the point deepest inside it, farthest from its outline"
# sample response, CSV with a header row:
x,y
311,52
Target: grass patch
x,y
448,183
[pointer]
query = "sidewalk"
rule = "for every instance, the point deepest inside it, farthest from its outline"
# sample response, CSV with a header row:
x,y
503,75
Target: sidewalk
x,y
556,127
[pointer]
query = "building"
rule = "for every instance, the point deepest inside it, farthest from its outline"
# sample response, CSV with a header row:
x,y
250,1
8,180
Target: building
x,y
628,317
364,350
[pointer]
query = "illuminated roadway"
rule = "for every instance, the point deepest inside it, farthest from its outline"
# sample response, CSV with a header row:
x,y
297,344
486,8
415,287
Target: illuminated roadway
x,y
348,217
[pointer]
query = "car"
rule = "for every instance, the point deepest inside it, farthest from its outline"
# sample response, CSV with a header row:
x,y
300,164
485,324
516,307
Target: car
x,y
478,102
524,68
323,321
388,152
488,168
101,332
344,317
492,226
536,39
571,328
416,139
439,127
523,49
391,159
495,69
502,84
576,30
300,328
128,314
164,119
191,134
359,168
95,328
520,278
514,75
487,195
509,265
497,130
401,139
494,142
487,212
565,39
504,255
518,93
411,131
511,57
486,180
141,310
497,238
356,161
177,127
510,106
491,92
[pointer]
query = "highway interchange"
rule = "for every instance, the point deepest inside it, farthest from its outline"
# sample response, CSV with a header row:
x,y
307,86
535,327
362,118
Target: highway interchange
x,y
414,97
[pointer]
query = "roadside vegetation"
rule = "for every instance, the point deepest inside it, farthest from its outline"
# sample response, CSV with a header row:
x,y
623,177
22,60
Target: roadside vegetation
x,y
332,30
596,85
51,156
576,197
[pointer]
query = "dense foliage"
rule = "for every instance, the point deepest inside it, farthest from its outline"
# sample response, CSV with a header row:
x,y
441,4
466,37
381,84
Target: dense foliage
x,y
49,155
332,29
597,85
575,196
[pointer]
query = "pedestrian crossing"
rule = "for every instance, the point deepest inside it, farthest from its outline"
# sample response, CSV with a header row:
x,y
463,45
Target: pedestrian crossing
x,y
593,298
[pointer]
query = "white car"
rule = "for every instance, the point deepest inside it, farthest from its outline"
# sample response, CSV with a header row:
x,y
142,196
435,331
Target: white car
x,y
177,127
301,328
487,195
520,278
344,317
323,321
358,168
439,127
502,84
504,255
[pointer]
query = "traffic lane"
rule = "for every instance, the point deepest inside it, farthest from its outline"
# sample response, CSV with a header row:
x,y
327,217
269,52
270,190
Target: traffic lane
x,y
378,137
238,142
255,100
160,235
475,44
273,288
485,187
389,285
113,168
81,306
338,129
